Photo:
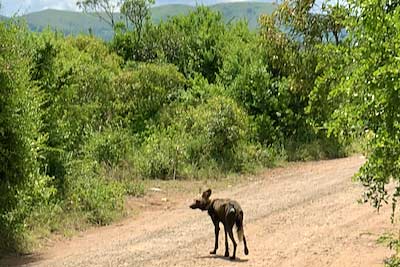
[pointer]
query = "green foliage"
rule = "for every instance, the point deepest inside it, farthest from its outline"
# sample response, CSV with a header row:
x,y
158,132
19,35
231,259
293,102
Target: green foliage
x,y
194,42
370,98
263,96
159,156
142,92
222,124
316,148
205,133
306,63
23,188
109,147
393,243
138,13
76,75
322,99
135,189
86,191
131,40
367,98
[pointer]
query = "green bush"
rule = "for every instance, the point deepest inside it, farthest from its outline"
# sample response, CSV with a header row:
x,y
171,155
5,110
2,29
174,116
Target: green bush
x,y
251,157
207,136
75,75
318,148
142,92
99,199
263,95
109,146
193,42
221,123
134,188
126,45
159,156
23,187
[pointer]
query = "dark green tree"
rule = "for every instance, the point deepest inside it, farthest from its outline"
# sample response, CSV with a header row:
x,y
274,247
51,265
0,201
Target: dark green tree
x,y
370,105
23,187
194,42
138,13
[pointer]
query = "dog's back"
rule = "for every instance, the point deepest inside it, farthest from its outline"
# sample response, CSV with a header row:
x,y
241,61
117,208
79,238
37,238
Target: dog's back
x,y
225,209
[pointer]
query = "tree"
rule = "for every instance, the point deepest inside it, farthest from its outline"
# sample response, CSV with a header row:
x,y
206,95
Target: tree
x,y
138,13
371,99
104,9
194,42
22,185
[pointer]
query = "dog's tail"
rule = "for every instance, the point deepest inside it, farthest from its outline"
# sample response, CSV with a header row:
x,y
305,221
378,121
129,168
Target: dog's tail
x,y
239,225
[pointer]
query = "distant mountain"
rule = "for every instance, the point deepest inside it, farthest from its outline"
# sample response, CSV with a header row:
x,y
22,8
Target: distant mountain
x,y
70,22
250,11
160,13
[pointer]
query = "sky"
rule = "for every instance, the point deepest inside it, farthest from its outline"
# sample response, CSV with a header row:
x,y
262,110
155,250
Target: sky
x,y
19,7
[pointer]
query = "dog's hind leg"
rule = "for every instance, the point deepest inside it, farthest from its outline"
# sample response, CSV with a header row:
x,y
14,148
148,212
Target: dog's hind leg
x,y
246,250
240,232
234,243
226,243
216,231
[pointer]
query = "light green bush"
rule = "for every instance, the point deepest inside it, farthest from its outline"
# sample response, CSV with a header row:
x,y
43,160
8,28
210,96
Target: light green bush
x,y
109,146
99,199
23,187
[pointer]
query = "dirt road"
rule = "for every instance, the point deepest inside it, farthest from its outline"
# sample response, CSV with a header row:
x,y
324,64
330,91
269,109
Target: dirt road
x,y
302,215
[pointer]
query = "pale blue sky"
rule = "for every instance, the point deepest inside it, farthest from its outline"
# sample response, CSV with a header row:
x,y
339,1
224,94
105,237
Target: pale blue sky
x,y
12,7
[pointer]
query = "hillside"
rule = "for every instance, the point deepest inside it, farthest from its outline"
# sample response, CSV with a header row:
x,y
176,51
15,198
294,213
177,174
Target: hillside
x,y
68,22
160,13
250,11
75,22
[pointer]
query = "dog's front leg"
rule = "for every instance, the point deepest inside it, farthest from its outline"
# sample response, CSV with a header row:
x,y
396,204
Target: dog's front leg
x,y
216,230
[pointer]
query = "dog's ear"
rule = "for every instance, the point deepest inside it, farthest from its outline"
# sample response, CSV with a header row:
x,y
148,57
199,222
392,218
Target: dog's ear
x,y
206,194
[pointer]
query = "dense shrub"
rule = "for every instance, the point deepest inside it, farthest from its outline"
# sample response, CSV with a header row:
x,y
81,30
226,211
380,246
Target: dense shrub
x,y
108,146
213,134
221,124
99,199
193,43
23,187
142,92
76,75
126,45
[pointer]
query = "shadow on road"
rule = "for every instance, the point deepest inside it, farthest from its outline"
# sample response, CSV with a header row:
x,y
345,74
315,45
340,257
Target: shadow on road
x,y
222,258
15,260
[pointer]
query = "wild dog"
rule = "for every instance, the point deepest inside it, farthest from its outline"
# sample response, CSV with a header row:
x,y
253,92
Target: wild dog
x,y
229,213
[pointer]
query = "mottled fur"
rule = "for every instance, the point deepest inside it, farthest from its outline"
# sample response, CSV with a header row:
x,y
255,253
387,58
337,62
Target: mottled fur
x,y
229,213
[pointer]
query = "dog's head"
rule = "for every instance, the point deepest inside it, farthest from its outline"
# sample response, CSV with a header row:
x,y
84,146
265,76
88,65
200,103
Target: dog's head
x,y
203,202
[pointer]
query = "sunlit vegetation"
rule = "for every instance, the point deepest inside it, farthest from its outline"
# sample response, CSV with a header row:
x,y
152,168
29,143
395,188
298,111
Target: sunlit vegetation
x,y
84,121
